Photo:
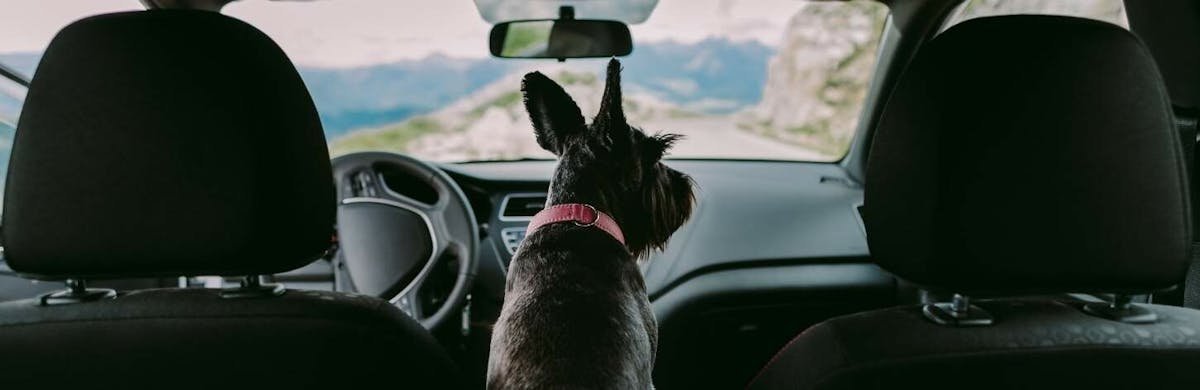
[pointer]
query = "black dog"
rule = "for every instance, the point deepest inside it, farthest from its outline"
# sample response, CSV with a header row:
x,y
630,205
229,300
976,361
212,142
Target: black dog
x,y
575,310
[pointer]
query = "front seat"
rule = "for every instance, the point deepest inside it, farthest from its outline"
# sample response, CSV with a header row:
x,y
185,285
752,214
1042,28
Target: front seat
x,y
168,143
1019,156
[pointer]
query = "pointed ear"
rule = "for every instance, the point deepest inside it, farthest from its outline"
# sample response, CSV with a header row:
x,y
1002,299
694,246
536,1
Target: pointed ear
x,y
612,115
554,114
656,147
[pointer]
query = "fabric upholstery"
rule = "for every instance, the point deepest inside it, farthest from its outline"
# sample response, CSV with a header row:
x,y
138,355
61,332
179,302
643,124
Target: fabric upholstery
x,y
166,143
193,338
1034,344
1018,154
1029,154
181,143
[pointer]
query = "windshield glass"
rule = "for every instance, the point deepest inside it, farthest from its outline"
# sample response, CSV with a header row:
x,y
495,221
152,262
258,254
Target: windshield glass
x,y
778,79
742,79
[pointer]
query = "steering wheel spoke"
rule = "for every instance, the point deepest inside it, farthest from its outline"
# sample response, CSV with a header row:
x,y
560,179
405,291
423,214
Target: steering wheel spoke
x,y
409,298
392,243
366,182
409,302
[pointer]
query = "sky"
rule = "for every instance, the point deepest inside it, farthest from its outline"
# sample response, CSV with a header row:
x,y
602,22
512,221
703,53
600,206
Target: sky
x,y
352,33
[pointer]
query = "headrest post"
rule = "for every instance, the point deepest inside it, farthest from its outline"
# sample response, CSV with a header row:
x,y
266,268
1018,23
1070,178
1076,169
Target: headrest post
x,y
961,304
1122,301
958,312
1121,309
77,292
252,286
252,282
76,286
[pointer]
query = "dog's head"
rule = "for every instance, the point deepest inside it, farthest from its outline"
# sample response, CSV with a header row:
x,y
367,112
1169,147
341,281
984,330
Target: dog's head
x,y
609,164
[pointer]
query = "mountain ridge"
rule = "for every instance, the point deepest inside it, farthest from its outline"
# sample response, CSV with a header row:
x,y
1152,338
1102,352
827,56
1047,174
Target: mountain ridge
x,y
348,99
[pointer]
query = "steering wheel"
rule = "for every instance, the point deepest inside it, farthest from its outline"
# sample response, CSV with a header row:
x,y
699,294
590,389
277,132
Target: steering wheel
x,y
396,246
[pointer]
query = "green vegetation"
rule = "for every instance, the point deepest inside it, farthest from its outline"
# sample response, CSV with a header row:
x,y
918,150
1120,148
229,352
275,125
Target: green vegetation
x,y
571,78
508,99
526,38
822,139
392,138
505,101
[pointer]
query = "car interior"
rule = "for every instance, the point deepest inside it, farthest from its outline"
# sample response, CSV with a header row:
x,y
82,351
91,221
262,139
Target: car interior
x,y
890,194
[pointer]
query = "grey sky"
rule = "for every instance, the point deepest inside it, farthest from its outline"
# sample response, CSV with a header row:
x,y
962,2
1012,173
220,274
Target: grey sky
x,y
347,33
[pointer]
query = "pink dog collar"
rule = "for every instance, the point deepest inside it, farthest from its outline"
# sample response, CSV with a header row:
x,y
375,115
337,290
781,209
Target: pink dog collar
x,y
581,214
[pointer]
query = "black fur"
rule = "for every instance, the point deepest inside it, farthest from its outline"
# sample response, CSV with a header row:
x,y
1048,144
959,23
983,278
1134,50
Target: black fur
x,y
575,312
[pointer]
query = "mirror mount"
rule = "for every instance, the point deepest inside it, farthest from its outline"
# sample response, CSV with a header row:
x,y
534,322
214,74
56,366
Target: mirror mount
x,y
565,12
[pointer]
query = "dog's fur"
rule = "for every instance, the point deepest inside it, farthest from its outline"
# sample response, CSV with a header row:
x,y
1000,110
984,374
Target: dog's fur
x,y
575,313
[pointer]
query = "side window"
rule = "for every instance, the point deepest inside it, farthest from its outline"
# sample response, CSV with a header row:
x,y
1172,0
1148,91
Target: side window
x,y
12,97
28,26
1112,11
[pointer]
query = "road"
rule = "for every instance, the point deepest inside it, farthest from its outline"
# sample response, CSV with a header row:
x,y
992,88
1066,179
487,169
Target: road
x,y
719,137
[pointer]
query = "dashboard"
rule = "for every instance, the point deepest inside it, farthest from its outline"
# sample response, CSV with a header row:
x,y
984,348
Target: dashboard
x,y
772,247
747,213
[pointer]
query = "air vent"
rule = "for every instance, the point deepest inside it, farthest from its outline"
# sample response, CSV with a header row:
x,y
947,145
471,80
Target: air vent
x,y
521,207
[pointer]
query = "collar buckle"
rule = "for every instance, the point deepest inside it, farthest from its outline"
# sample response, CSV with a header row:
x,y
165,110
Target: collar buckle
x,y
595,217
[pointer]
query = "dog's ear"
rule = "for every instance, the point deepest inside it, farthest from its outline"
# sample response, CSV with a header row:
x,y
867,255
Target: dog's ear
x,y
656,146
554,114
611,111
611,118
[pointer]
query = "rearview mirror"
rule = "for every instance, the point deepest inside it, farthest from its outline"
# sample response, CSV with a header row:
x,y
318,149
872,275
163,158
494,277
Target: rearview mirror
x,y
561,39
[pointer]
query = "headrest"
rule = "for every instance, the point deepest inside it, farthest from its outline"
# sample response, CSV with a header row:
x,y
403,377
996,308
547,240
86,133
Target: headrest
x,y
162,143
1029,154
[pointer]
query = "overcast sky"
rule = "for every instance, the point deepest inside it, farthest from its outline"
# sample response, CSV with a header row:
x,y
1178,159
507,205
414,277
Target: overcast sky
x,y
348,33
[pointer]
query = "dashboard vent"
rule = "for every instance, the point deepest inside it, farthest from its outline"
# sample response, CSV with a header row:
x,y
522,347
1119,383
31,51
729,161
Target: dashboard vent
x,y
521,207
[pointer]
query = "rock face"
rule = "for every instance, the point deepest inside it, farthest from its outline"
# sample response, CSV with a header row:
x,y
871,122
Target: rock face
x,y
1112,11
818,78
492,124
820,73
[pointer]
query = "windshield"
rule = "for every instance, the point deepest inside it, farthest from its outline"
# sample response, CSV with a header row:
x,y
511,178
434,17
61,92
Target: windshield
x,y
742,79
779,79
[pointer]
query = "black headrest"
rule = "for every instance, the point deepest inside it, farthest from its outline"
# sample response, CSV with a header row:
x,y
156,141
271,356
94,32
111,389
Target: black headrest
x,y
1029,154
166,143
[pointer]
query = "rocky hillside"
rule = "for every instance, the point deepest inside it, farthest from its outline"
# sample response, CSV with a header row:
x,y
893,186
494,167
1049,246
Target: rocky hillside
x,y
818,77
492,123
820,73
1112,11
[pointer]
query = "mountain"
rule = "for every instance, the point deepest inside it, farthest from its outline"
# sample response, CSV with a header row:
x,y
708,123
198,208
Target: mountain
x,y
492,123
818,79
1112,11
369,96
713,76
741,99
695,76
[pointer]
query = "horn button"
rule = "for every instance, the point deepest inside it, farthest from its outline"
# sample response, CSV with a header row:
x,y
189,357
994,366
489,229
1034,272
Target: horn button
x,y
394,243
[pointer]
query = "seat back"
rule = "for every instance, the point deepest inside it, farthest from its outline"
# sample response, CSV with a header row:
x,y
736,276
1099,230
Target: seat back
x,y
1019,155
174,143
